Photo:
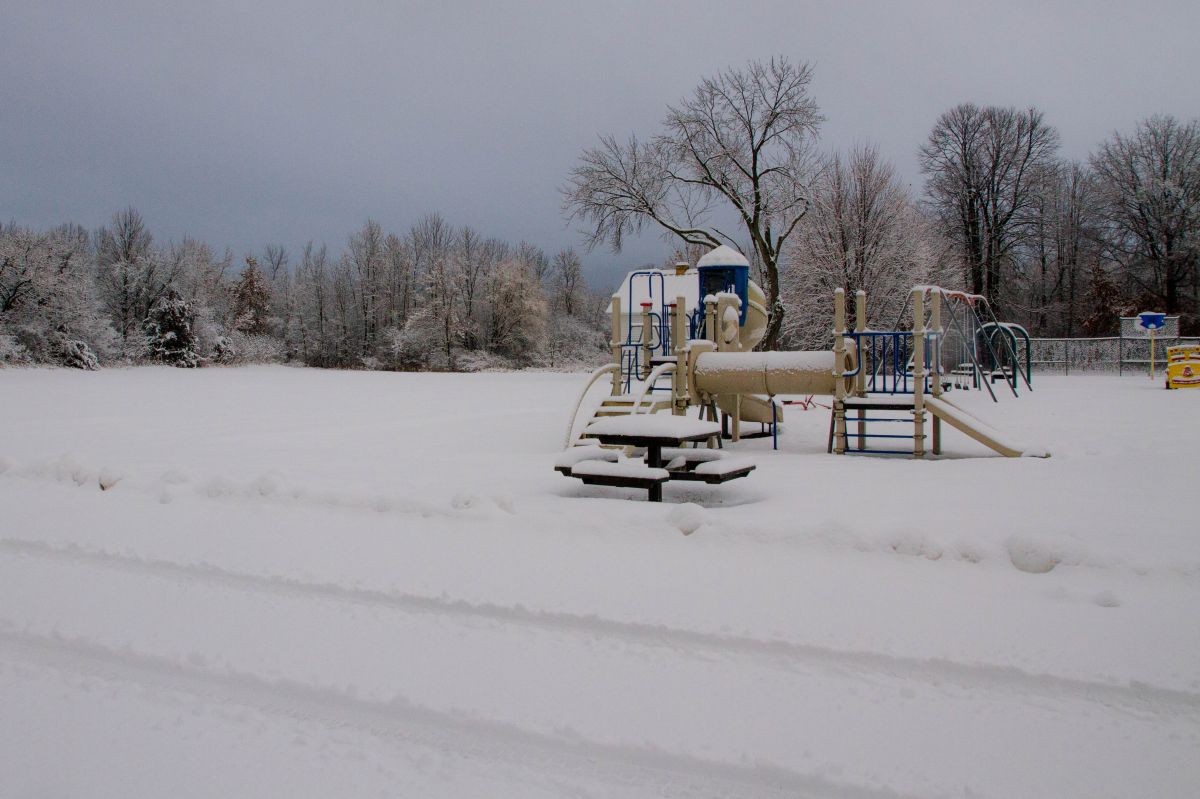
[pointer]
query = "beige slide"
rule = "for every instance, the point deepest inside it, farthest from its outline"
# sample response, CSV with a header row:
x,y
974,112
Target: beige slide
x,y
979,430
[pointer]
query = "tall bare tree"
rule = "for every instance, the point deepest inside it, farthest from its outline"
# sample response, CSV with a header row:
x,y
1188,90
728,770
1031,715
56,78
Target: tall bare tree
x,y
568,282
864,232
980,164
1149,187
742,142
1059,252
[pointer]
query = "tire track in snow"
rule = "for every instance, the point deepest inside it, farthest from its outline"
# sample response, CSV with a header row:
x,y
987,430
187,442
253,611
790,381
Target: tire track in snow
x,y
662,773
1132,698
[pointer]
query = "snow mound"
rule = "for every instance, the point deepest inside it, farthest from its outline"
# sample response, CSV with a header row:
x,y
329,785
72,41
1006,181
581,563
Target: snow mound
x,y
1031,556
108,478
688,517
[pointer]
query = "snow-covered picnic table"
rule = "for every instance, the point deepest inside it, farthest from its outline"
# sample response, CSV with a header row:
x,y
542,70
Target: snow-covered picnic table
x,y
651,432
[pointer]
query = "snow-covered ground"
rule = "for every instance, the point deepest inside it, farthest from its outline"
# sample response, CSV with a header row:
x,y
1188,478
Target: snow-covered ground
x,y
285,582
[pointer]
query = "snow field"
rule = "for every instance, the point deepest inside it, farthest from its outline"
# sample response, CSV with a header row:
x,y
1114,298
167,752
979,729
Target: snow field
x,y
382,574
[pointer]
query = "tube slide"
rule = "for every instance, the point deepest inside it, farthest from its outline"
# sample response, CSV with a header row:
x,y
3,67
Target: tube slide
x,y
753,407
769,373
980,431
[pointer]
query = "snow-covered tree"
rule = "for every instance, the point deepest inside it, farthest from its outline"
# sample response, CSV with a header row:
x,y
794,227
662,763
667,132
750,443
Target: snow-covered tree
x,y
863,231
168,330
518,312
1149,188
47,296
251,301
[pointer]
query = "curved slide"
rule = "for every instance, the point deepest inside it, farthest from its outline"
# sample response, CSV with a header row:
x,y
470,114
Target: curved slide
x,y
979,430
753,407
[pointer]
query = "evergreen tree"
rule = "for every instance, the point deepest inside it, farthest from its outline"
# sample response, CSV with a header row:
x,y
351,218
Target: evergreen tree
x,y
169,334
251,301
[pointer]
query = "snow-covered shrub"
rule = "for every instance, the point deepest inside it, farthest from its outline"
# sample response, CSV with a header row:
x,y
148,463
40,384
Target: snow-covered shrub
x,y
169,336
256,348
573,343
482,361
223,350
12,353
77,354
407,348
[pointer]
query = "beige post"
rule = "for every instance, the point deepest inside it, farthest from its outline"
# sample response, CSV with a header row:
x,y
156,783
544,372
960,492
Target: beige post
x,y
679,376
935,361
646,341
839,361
860,381
918,356
616,345
710,320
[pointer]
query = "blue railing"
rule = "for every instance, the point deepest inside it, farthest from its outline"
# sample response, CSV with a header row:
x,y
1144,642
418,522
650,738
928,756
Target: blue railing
x,y
884,358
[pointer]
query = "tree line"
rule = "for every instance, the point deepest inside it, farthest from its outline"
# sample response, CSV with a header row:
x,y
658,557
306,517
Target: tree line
x,y
435,297
1063,247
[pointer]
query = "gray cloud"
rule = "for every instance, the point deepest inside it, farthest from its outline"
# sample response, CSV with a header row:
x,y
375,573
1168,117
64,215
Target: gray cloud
x,y
276,122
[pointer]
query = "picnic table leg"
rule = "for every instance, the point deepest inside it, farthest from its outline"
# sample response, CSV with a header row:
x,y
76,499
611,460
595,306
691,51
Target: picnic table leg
x,y
654,461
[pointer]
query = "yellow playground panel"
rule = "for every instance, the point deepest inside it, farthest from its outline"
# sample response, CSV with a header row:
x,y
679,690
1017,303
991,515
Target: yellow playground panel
x,y
1183,366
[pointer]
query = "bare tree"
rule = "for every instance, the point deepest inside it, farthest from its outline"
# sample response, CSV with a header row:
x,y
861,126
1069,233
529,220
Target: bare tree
x,y
864,232
980,163
366,261
568,282
1149,188
742,142
1059,251
534,259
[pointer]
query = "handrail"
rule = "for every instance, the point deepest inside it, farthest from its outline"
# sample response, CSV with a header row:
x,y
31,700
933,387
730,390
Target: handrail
x,y
596,375
648,384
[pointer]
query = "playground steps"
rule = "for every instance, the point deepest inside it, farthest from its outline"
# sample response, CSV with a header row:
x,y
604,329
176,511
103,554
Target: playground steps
x,y
623,405
866,413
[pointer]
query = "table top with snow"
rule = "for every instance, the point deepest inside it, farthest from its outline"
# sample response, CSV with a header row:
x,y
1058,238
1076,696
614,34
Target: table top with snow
x,y
651,426
300,582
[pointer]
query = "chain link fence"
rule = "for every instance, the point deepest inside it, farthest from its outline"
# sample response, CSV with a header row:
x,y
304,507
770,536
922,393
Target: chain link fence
x,y
1114,355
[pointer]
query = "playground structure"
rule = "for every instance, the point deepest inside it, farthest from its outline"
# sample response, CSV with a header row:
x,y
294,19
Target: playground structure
x,y
686,339
1183,366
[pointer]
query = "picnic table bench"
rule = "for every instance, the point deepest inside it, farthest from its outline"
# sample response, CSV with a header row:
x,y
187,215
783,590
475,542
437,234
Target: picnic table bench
x,y
653,433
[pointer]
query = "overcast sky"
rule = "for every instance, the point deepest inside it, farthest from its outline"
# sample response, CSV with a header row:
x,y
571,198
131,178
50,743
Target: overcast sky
x,y
251,123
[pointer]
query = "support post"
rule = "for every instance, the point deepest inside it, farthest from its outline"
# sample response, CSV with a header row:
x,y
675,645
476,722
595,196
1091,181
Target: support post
x,y
616,345
839,358
935,362
710,320
860,380
737,418
679,376
918,303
